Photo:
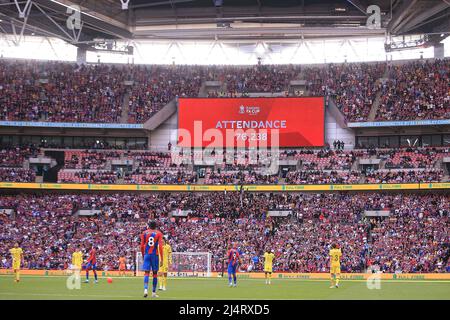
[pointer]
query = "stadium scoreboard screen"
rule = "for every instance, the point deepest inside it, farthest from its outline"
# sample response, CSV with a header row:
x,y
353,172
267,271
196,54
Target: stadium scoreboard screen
x,y
235,122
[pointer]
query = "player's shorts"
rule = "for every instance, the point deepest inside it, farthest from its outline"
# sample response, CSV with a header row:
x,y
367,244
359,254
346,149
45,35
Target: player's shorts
x,y
268,269
164,268
335,269
16,265
76,267
91,265
232,268
122,267
151,263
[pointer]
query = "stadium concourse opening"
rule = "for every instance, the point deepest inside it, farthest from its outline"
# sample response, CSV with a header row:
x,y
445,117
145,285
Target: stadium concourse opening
x,y
237,150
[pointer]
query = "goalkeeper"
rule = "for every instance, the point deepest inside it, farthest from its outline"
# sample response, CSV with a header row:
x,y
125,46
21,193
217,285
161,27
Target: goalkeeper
x,y
165,263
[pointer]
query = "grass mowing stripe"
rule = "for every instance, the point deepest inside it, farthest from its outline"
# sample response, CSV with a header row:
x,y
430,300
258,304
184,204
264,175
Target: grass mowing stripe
x,y
245,279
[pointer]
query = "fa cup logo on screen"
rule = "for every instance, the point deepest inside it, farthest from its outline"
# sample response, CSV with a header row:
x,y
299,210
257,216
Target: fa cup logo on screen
x,y
251,110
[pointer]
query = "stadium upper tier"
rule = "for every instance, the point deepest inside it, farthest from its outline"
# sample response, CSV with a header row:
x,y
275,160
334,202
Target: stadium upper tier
x,y
67,92
414,237
321,166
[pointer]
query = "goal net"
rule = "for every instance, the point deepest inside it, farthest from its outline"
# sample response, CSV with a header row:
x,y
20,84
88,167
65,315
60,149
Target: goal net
x,y
184,264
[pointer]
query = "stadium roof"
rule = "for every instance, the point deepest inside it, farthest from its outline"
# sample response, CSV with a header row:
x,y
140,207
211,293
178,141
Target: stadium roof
x,y
233,20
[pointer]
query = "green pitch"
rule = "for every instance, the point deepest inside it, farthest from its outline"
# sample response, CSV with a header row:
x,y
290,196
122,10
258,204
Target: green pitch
x,y
34,287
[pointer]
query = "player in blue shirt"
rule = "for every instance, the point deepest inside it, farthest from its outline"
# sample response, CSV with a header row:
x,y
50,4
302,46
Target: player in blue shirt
x,y
233,262
152,251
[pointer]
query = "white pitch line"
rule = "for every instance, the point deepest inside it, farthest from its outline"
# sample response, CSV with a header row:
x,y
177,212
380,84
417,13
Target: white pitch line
x,y
253,279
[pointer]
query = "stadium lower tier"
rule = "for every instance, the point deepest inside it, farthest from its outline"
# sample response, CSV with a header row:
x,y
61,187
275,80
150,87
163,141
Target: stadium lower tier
x,y
409,234
290,166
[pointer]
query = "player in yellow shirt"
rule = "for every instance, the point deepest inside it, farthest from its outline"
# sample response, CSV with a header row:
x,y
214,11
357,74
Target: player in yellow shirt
x,y
268,265
77,259
17,260
335,265
164,264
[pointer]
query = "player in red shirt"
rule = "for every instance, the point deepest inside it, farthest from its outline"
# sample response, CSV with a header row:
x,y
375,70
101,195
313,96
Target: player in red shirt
x,y
152,252
233,262
92,263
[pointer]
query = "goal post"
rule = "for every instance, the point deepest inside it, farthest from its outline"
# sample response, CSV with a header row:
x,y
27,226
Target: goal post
x,y
184,264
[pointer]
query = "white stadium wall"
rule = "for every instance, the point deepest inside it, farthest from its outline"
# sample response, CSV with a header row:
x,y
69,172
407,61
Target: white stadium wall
x,y
165,133
334,130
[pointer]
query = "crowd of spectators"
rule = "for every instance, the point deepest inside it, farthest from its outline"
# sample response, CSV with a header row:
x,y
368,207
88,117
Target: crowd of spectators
x,y
414,238
424,158
68,92
408,176
155,86
60,91
240,177
13,157
160,177
85,176
323,177
17,175
353,86
260,78
416,90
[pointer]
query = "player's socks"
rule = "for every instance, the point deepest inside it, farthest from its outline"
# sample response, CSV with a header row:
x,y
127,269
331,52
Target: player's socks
x,y
95,275
145,293
146,282
234,279
155,284
337,282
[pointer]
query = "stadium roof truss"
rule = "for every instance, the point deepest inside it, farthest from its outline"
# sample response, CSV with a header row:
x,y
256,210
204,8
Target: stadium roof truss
x,y
223,20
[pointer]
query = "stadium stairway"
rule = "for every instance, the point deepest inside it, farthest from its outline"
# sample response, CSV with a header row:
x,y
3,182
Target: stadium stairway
x,y
208,86
162,115
374,109
202,93
355,165
376,103
125,107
